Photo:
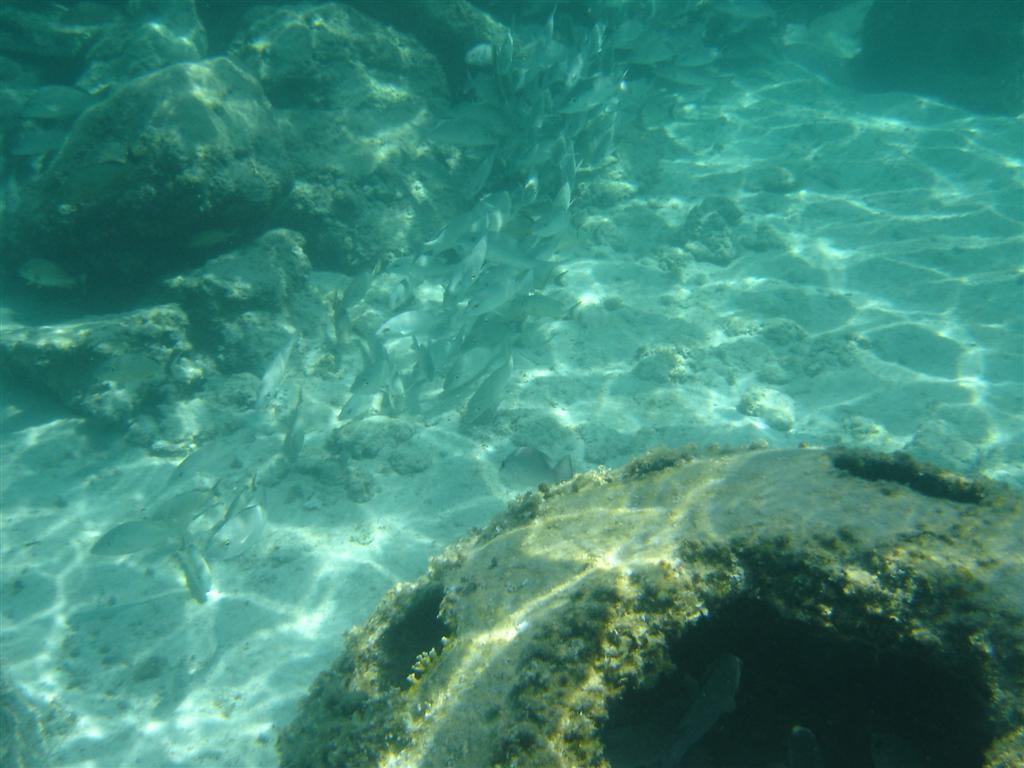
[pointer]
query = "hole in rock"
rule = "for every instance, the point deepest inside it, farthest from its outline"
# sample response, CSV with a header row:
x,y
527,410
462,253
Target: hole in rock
x,y
416,631
867,706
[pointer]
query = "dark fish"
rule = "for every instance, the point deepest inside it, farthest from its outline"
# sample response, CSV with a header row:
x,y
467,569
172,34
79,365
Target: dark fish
x,y
43,273
38,141
803,749
529,467
56,102
716,698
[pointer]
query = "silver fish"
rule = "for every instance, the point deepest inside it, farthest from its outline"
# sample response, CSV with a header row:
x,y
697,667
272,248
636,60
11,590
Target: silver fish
x,y
138,536
480,55
166,531
716,698
294,436
198,578
356,289
461,133
600,94
43,273
495,288
467,367
421,322
376,369
272,379
241,526
401,295
183,508
469,269
485,401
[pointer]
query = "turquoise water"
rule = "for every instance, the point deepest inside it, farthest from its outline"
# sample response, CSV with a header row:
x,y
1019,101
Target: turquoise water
x,y
299,298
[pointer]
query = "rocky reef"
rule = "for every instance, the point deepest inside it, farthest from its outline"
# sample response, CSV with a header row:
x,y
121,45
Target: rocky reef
x,y
871,600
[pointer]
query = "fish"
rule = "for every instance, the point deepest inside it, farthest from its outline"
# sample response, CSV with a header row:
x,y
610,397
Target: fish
x,y
240,527
37,141
356,290
166,531
377,368
744,10
478,179
138,536
652,49
495,288
469,269
211,238
421,322
803,749
43,273
541,306
342,323
466,365
196,570
601,93
716,698
462,133
480,55
469,224
56,102
294,436
165,526
272,379
356,407
889,750
401,295
183,508
529,467
483,405
627,34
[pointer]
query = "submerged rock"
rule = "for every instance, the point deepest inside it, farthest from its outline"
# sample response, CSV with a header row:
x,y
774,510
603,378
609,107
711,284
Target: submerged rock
x,y
110,367
864,594
167,156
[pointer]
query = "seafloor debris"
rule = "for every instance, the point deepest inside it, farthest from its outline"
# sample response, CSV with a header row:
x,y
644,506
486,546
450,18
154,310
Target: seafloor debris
x,y
868,607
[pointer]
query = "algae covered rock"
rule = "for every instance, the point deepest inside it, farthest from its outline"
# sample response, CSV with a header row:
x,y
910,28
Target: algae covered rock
x,y
699,607
149,176
109,367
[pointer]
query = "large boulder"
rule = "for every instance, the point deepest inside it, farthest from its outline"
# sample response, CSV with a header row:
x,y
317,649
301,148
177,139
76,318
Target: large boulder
x,y
111,368
352,98
153,179
699,607
244,305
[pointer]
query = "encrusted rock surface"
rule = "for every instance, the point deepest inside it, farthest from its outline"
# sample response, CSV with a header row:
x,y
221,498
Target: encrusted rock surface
x,y
871,599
